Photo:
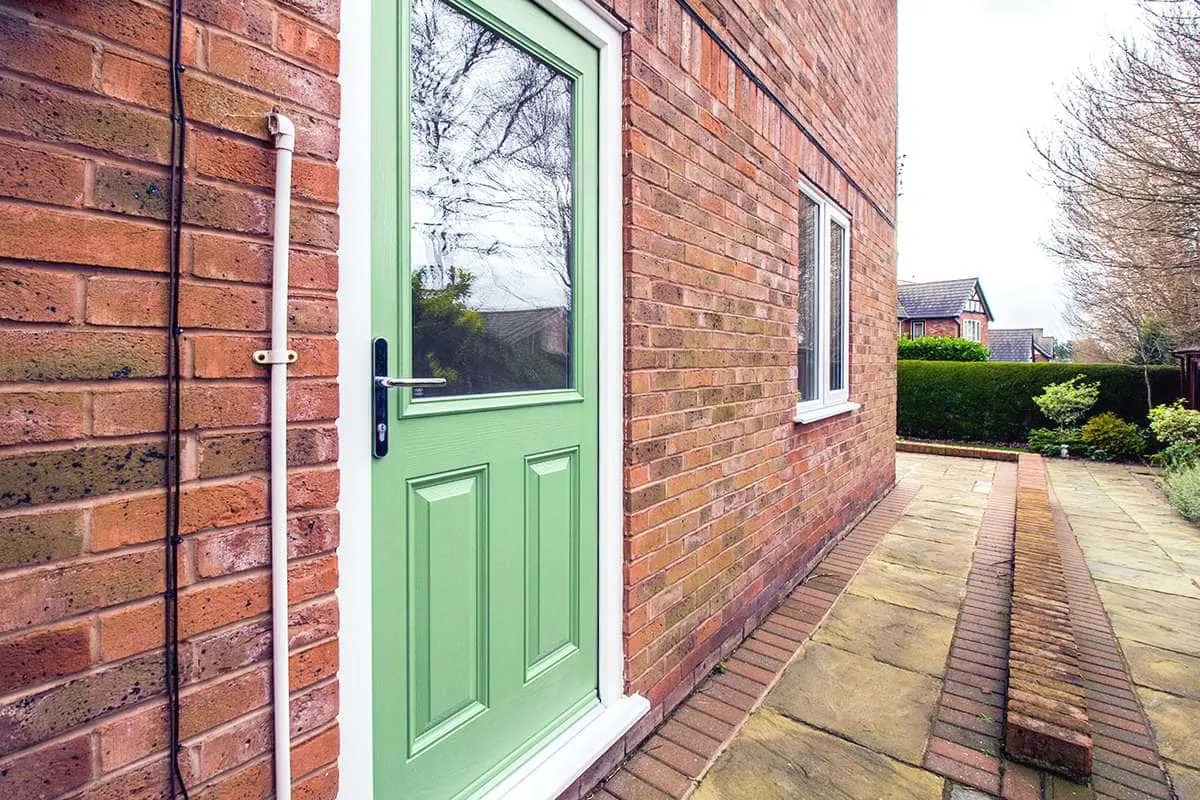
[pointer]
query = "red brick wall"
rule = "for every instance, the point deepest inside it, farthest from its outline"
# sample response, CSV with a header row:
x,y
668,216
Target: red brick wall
x,y
84,138
726,496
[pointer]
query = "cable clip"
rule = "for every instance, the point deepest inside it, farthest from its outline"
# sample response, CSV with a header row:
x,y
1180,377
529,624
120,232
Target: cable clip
x,y
275,356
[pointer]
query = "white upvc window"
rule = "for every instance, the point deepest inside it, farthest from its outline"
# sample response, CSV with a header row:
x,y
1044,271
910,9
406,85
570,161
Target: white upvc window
x,y
916,329
823,324
973,330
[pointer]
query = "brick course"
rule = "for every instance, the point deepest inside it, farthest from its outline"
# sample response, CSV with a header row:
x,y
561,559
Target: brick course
x,y
84,137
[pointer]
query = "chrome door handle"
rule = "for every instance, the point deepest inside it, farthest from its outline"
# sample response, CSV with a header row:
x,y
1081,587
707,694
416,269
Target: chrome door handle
x,y
380,383
395,383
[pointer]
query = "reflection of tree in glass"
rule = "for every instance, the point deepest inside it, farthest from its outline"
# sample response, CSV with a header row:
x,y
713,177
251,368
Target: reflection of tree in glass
x,y
452,341
491,181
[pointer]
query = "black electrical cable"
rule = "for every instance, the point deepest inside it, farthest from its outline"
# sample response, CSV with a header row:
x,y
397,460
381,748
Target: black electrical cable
x,y
173,476
762,87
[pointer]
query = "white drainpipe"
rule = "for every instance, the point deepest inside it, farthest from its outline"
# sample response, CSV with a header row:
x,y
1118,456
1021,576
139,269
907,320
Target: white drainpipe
x,y
284,135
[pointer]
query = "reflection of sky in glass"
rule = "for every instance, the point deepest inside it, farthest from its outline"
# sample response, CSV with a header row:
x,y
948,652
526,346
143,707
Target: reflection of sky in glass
x,y
491,205
806,328
491,164
837,298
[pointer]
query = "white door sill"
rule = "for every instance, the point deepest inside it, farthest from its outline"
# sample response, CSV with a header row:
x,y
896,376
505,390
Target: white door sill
x,y
557,765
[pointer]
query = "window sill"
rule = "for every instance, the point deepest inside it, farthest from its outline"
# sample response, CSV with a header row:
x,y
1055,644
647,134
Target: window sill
x,y
825,412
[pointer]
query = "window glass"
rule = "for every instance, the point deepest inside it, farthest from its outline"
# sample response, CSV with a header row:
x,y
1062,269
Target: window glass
x,y
837,300
492,219
807,351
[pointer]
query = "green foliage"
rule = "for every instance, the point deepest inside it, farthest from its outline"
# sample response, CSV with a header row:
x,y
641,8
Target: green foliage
x,y
1182,487
941,348
1111,438
1177,456
1049,441
451,341
1174,424
993,401
1065,403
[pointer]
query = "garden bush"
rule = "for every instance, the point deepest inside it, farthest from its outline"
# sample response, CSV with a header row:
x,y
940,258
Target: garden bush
x,y
1049,441
993,401
1065,403
1173,423
1110,438
1182,487
1179,455
941,348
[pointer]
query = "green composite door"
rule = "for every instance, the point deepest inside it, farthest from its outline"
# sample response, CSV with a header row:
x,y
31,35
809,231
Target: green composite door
x,y
484,274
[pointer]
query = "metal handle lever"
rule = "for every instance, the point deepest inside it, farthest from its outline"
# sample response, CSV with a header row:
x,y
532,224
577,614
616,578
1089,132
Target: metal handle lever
x,y
394,383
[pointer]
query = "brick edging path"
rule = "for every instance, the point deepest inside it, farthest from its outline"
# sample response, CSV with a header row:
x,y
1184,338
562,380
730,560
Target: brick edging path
x,y
1046,722
966,740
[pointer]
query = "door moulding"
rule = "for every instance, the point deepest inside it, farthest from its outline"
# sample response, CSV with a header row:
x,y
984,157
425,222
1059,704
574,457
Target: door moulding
x,y
557,765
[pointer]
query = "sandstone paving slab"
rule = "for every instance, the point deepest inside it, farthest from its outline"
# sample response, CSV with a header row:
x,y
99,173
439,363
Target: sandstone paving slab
x,y
936,531
903,637
1168,580
1140,554
1164,670
943,512
1168,621
774,758
1185,781
1176,722
877,705
909,587
949,558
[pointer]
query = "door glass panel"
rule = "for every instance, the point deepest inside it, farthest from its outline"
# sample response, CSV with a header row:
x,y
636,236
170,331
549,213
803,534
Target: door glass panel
x,y
837,302
491,203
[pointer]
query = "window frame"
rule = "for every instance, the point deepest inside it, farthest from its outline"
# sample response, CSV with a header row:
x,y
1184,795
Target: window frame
x,y
976,326
828,401
912,328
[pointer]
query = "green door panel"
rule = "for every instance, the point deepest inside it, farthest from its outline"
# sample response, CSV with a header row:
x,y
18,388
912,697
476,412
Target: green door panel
x,y
484,272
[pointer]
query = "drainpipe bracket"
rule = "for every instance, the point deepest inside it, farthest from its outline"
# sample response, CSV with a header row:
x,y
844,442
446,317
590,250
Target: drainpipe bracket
x,y
275,356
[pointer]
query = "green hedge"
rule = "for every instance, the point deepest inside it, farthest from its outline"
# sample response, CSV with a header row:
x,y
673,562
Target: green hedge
x,y
993,402
941,348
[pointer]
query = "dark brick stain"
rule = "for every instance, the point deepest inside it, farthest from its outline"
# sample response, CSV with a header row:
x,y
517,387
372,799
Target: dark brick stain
x,y
59,475
54,711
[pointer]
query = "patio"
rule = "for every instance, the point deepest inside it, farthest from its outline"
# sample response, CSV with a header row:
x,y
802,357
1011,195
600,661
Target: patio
x,y
884,674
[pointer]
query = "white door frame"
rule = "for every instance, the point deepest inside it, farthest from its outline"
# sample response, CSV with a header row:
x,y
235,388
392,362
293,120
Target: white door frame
x,y
556,766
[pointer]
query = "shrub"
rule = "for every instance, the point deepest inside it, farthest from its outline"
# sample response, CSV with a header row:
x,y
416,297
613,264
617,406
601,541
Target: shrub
x,y
1174,424
1065,403
941,348
993,401
1179,455
1182,488
1049,441
1111,438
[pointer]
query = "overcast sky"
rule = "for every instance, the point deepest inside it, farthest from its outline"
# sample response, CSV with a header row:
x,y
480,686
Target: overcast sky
x,y
976,78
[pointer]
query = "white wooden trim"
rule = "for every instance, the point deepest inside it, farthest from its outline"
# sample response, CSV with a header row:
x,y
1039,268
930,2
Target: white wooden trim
x,y
355,719
565,758
827,399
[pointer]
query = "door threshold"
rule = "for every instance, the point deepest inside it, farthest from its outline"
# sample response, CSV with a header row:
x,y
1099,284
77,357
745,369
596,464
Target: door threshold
x,y
552,770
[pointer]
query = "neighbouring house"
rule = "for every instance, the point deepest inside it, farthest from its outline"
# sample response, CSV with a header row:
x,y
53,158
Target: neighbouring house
x,y
955,308
495,586
1029,345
